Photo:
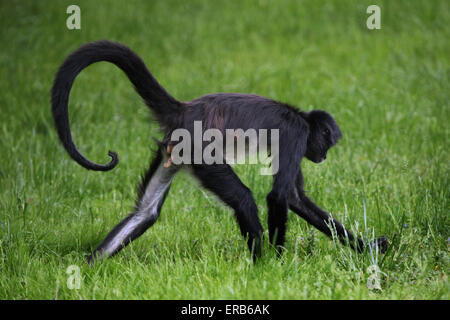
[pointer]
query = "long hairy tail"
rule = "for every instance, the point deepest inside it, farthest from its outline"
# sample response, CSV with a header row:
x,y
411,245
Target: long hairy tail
x,y
165,107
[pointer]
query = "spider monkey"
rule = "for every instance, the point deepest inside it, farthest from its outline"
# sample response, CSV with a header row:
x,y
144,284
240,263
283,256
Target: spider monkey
x,y
301,134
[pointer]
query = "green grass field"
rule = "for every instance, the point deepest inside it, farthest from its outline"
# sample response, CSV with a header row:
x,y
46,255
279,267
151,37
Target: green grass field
x,y
388,89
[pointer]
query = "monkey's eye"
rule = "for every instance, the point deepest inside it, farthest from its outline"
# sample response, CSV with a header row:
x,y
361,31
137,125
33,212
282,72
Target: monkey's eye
x,y
326,132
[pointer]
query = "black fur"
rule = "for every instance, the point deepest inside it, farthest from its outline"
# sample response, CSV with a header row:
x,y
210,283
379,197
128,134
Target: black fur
x,y
301,134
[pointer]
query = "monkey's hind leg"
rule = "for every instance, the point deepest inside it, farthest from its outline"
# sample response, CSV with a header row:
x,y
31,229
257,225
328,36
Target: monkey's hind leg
x,y
223,182
151,195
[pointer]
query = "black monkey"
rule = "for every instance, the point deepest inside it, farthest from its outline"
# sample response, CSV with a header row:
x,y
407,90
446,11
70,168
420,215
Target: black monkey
x,y
301,134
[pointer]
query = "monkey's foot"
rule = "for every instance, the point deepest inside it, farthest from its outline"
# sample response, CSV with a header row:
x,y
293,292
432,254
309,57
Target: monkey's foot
x,y
93,258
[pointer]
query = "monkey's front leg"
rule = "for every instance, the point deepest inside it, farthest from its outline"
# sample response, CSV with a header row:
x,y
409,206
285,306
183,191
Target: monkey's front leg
x,y
308,210
152,194
278,198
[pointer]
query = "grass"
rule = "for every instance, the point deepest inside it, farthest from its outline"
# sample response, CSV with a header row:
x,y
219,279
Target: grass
x,y
388,89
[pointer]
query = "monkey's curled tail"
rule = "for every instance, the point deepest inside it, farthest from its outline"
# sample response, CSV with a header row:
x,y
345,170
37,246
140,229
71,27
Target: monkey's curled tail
x,y
165,107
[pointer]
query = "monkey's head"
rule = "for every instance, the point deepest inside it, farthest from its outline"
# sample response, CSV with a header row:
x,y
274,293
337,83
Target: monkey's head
x,y
323,134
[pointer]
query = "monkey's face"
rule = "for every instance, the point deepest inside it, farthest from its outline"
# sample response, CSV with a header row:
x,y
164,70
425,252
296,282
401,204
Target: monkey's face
x,y
323,134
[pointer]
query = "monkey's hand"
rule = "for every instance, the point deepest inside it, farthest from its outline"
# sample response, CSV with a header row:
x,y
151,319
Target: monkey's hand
x,y
381,243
